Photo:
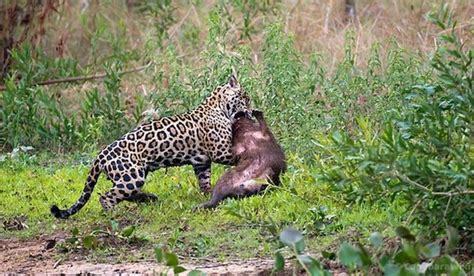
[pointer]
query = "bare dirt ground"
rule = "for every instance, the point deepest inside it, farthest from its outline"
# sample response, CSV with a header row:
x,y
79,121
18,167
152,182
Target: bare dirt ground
x,y
39,256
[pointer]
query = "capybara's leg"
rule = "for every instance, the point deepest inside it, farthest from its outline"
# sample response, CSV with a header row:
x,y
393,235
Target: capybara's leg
x,y
224,190
219,192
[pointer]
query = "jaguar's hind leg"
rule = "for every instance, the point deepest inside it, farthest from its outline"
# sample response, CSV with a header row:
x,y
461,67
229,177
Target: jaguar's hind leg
x,y
127,186
203,174
142,197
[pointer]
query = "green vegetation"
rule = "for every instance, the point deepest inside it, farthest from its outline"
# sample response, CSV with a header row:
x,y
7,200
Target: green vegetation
x,y
423,152
404,259
171,222
373,140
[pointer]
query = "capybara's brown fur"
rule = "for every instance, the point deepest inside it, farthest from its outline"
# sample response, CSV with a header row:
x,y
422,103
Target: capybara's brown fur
x,y
259,160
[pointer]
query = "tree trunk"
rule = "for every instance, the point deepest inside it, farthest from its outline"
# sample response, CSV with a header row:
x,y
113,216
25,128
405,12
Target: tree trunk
x,y
350,11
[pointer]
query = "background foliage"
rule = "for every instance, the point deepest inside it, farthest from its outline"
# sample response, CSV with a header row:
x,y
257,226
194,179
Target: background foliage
x,y
375,111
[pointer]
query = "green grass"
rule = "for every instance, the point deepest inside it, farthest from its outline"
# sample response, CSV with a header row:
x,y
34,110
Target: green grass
x,y
237,228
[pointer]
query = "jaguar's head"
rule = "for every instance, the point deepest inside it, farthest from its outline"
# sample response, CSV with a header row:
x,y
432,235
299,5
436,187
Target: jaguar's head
x,y
233,99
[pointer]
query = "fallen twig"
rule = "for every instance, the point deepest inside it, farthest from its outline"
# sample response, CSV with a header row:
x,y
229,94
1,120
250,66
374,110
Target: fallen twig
x,y
57,263
84,78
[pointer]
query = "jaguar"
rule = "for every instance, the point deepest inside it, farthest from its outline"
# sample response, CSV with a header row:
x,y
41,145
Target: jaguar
x,y
197,138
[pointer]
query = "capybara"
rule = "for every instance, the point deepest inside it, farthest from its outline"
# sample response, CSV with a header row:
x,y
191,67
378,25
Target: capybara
x,y
260,160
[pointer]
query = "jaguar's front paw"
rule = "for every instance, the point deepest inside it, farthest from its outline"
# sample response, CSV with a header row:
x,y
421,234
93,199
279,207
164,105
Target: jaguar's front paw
x,y
206,190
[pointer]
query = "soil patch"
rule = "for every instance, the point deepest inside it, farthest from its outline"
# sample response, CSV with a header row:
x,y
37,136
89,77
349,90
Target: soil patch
x,y
39,256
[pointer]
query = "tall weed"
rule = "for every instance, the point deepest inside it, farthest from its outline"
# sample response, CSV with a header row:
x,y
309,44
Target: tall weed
x,y
29,114
422,153
295,93
103,117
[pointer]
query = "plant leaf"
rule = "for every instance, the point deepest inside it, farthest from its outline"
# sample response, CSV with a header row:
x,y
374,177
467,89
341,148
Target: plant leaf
x,y
329,255
114,225
445,265
404,233
391,269
453,238
158,254
89,242
279,262
178,269
292,238
312,266
299,246
349,256
384,261
407,255
171,259
196,273
431,250
128,231
409,271
376,239
364,256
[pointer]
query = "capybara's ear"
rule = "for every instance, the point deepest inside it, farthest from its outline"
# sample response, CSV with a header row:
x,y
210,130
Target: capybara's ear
x,y
257,114
240,114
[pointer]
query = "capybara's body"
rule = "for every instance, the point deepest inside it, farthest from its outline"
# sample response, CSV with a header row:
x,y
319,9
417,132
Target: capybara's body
x,y
260,160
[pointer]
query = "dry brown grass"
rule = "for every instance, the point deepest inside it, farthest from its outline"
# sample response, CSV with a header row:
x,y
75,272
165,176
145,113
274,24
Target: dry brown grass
x,y
321,27
317,26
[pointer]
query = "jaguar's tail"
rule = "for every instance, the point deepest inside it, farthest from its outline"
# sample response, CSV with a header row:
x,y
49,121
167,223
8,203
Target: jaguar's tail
x,y
86,194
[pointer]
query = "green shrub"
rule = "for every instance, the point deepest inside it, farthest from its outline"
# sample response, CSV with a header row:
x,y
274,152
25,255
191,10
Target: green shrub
x,y
103,116
423,153
294,93
409,257
29,114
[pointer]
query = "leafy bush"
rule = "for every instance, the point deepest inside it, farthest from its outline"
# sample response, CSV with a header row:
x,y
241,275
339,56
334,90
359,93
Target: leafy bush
x,y
293,239
423,153
162,12
34,116
103,115
30,115
409,257
295,93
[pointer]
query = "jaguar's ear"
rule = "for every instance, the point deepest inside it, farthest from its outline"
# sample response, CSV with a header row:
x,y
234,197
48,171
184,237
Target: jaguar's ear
x,y
233,83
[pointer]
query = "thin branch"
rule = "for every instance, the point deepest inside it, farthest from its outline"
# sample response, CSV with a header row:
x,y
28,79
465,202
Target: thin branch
x,y
413,210
447,207
326,17
84,78
172,33
406,179
289,14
